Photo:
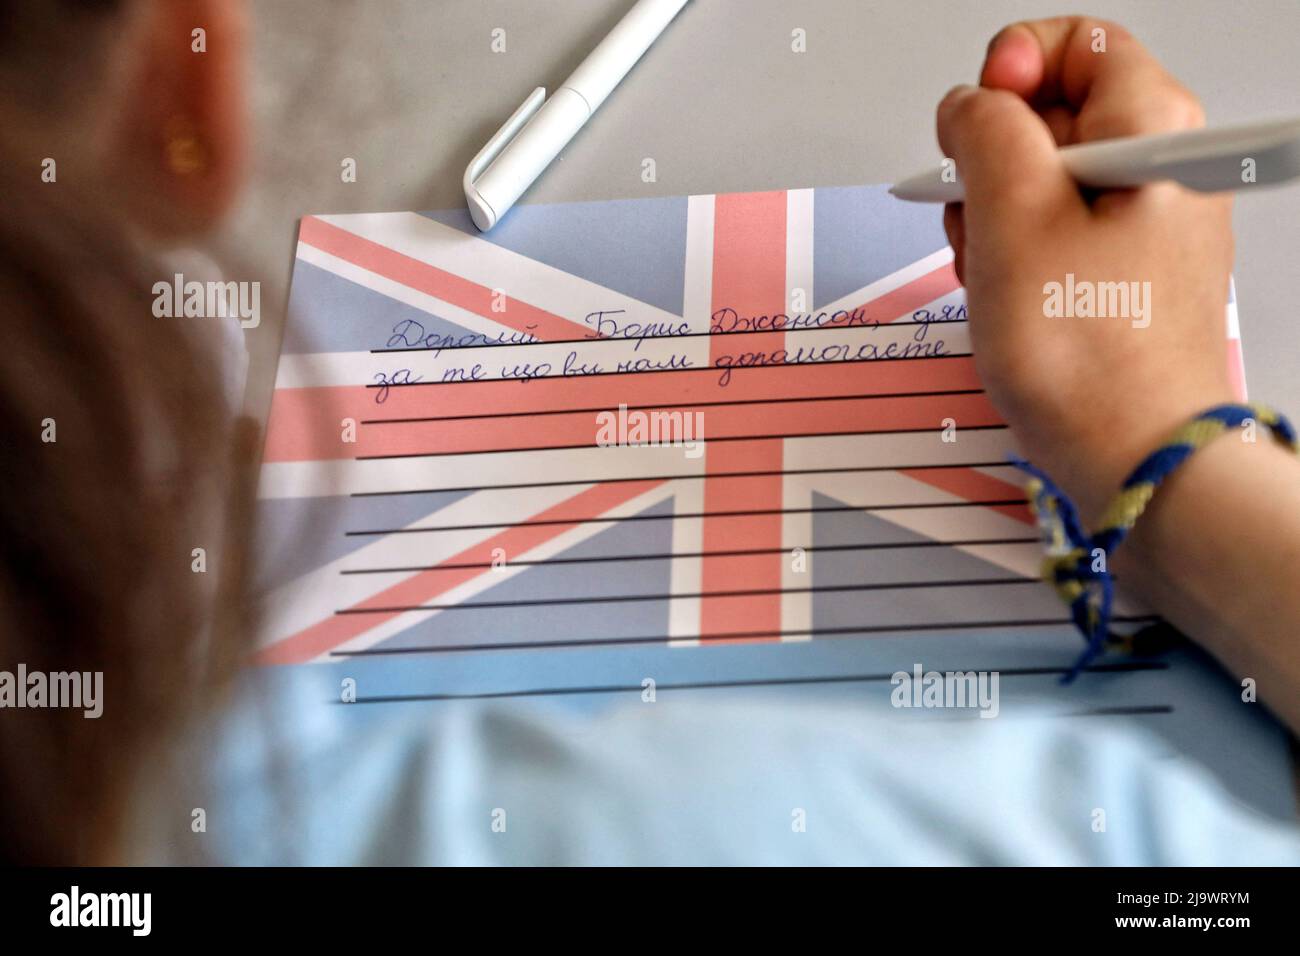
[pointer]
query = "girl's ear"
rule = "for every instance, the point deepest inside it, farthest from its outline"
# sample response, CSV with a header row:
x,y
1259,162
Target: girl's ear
x,y
181,139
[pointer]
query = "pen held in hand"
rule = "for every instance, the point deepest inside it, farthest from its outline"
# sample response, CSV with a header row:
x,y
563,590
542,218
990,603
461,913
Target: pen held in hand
x,y
1207,160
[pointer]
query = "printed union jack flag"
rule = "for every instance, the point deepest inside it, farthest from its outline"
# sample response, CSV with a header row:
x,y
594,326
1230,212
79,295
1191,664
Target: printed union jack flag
x,y
432,478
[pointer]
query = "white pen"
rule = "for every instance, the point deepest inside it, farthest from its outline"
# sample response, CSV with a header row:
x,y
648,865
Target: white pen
x,y
1208,160
538,130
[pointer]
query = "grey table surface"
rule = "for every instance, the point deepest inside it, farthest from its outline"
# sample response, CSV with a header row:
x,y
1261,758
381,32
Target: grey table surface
x,y
411,89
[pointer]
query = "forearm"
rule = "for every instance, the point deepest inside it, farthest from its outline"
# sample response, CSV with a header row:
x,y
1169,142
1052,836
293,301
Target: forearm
x,y
1217,553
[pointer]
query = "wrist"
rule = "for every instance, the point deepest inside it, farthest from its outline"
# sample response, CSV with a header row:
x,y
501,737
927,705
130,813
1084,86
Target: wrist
x,y
1075,563
1203,489
1110,447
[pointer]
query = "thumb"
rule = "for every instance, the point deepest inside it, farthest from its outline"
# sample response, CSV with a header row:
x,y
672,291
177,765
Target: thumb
x,y
1006,159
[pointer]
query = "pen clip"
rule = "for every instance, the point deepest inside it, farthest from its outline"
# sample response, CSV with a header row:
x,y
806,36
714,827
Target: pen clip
x,y
483,214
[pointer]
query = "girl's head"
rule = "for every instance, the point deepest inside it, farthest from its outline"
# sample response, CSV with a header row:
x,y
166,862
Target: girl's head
x,y
121,129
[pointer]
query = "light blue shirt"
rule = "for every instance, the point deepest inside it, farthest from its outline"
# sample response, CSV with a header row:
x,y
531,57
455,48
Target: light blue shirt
x,y
291,779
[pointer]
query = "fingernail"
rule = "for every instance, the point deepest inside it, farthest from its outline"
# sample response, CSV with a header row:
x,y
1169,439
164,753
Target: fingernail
x,y
1001,35
959,93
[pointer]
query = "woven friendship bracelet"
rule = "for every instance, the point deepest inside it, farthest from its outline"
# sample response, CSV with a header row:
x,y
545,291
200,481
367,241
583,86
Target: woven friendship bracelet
x,y
1077,564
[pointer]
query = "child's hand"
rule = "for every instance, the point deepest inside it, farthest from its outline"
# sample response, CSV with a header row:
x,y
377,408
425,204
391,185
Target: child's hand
x,y
1087,397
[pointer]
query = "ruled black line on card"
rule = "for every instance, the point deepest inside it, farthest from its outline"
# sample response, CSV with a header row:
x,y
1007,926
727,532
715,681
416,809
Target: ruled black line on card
x,y
929,505
702,442
694,595
668,556
744,637
634,408
780,682
698,476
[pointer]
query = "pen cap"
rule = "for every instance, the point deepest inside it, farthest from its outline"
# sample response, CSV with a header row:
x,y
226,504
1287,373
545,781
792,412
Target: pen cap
x,y
615,55
531,151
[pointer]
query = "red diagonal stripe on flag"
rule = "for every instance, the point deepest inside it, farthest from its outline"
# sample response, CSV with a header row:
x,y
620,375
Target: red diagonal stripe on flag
x,y
898,304
421,588
429,279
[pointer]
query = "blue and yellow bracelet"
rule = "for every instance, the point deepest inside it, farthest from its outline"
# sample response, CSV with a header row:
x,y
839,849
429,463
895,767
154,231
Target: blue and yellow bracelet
x,y
1078,565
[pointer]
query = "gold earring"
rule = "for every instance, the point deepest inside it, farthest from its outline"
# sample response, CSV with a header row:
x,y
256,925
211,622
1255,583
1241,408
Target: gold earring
x,y
185,152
